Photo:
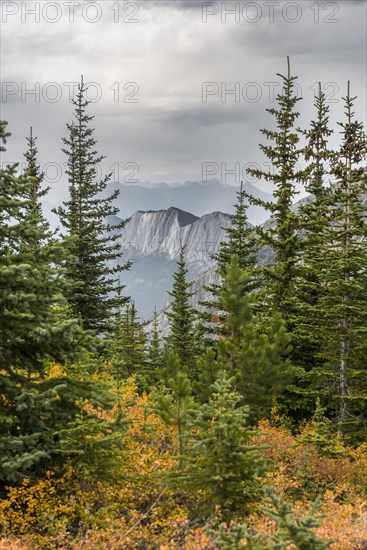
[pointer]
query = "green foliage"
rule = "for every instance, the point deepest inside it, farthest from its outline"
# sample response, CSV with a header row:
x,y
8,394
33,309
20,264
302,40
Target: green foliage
x,y
32,172
321,433
128,345
40,420
337,319
221,462
291,529
252,350
239,241
314,220
34,406
209,366
282,238
182,336
92,444
174,402
155,357
236,537
31,284
88,217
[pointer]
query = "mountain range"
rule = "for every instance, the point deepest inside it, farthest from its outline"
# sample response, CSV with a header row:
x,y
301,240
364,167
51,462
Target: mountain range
x,y
199,198
162,217
152,240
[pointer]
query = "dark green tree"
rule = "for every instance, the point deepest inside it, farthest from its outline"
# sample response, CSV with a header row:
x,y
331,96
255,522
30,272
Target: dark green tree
x,y
182,338
239,237
96,254
209,367
34,406
252,349
292,531
173,402
32,171
155,360
299,532
128,346
282,236
314,218
239,240
320,432
339,319
220,460
32,286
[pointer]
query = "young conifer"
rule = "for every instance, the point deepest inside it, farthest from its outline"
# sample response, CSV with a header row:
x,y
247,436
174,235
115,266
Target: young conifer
x,y
86,215
283,238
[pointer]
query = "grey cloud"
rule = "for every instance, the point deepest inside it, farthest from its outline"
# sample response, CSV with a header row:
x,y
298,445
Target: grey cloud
x,y
169,54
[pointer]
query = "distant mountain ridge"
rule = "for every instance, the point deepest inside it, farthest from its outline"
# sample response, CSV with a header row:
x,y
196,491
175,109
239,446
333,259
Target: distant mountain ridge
x,y
152,240
198,198
162,217
164,231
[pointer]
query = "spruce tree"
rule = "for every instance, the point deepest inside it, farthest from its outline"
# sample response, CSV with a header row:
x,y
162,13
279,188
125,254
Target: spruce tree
x,y
174,401
252,349
313,220
299,532
32,284
32,333
320,432
32,171
291,530
339,317
239,237
85,216
128,347
283,239
220,460
155,354
239,240
182,337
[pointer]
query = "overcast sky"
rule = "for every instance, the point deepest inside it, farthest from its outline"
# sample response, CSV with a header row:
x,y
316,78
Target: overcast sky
x,y
148,64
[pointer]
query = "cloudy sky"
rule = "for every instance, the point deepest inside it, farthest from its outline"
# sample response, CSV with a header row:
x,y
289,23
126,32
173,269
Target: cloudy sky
x,y
160,77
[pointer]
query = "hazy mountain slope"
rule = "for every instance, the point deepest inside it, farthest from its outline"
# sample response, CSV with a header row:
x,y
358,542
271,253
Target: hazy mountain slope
x,y
152,240
195,197
164,231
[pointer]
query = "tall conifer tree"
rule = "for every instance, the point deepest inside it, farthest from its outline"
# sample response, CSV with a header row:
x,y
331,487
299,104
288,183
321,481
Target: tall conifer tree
x,y
96,252
240,240
182,336
250,349
283,154
314,220
239,237
129,345
32,334
155,353
32,171
340,261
